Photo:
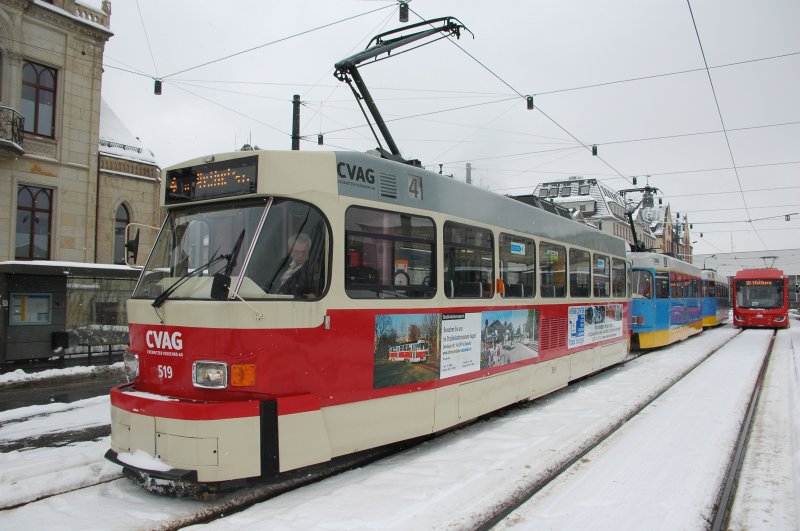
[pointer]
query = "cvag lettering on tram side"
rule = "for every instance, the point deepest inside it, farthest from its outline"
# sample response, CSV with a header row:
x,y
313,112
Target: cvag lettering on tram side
x,y
354,172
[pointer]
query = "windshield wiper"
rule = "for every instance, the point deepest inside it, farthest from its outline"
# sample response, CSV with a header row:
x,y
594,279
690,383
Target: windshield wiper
x,y
220,288
186,276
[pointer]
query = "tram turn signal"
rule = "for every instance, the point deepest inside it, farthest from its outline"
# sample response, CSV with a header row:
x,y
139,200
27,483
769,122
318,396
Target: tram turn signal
x,y
243,375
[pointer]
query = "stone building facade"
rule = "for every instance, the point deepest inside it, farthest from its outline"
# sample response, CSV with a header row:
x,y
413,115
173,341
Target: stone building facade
x,y
596,204
59,193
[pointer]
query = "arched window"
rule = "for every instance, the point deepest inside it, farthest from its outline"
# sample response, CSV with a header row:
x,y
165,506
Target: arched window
x,y
34,212
39,99
121,221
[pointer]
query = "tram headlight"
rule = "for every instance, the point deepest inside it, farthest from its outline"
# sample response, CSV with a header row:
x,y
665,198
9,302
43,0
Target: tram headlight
x,y
131,365
210,374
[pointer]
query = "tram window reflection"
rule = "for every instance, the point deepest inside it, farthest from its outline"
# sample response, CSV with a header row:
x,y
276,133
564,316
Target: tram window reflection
x,y
553,270
579,273
389,254
619,271
601,275
517,266
468,261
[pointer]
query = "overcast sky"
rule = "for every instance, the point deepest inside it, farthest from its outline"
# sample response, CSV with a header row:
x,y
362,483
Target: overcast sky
x,y
626,75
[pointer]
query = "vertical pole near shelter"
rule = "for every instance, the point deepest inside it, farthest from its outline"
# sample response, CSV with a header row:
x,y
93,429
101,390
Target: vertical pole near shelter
x,y
296,122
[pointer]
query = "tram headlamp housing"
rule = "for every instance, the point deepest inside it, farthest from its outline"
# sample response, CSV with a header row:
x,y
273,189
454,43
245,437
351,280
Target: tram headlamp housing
x,y
131,365
210,374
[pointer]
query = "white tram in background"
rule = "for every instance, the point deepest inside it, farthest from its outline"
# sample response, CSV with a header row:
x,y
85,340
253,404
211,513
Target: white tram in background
x,y
241,376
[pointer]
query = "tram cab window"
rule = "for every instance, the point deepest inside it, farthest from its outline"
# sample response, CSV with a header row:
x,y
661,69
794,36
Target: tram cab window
x,y
579,273
517,266
553,270
468,261
601,275
642,284
290,259
619,272
389,254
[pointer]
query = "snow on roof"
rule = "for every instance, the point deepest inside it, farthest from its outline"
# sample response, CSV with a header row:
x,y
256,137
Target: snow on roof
x,y
116,140
97,5
598,192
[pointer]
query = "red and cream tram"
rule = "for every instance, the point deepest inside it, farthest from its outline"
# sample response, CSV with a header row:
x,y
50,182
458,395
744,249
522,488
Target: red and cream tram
x,y
413,352
262,326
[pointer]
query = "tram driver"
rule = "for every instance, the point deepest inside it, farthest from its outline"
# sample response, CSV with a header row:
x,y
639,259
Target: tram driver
x,y
299,276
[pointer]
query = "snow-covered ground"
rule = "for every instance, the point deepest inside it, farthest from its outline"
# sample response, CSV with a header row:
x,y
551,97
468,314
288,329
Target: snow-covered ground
x,y
448,482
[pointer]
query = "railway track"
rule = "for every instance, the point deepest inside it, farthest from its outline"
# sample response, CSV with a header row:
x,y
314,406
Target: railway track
x,y
557,491
501,506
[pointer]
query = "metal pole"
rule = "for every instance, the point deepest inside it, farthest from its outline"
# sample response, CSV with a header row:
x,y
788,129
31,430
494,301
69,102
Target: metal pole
x,y
296,122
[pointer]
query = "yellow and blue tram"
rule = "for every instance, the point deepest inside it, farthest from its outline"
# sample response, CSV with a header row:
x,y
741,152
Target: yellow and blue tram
x,y
262,324
716,298
666,303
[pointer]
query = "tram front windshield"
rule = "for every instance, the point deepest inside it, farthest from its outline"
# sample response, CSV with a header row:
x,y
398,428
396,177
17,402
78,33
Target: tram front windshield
x,y
759,294
270,249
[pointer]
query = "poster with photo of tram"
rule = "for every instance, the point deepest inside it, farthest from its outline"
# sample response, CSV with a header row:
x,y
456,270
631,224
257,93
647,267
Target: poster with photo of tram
x,y
414,348
406,349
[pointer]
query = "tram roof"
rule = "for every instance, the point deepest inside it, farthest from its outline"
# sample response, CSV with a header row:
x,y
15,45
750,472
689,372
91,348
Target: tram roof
x,y
369,177
662,261
759,273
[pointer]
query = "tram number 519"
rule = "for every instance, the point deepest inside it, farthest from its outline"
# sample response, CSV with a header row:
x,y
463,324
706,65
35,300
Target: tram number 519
x,y
165,372
415,187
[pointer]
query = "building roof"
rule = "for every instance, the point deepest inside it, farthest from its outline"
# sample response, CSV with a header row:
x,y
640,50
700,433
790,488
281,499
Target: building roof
x,y
577,190
654,216
117,141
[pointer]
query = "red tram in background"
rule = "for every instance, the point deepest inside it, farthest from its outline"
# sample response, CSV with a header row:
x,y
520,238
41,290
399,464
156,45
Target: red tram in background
x,y
761,299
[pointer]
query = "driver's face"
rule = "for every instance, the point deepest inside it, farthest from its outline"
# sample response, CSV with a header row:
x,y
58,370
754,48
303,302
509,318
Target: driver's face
x,y
300,252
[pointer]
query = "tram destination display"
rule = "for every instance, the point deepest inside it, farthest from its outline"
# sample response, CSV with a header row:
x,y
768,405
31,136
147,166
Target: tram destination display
x,y
212,180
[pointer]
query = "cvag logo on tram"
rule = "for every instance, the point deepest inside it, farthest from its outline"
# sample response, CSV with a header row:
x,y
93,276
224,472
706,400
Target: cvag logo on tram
x,y
355,173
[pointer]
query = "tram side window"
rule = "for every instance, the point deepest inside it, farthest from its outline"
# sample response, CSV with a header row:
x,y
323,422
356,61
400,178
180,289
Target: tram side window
x,y
389,254
695,287
517,266
675,285
579,273
619,271
468,261
601,275
642,284
662,285
553,270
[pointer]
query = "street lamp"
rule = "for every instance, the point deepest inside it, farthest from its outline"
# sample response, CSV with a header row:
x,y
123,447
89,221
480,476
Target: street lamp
x,y
706,259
